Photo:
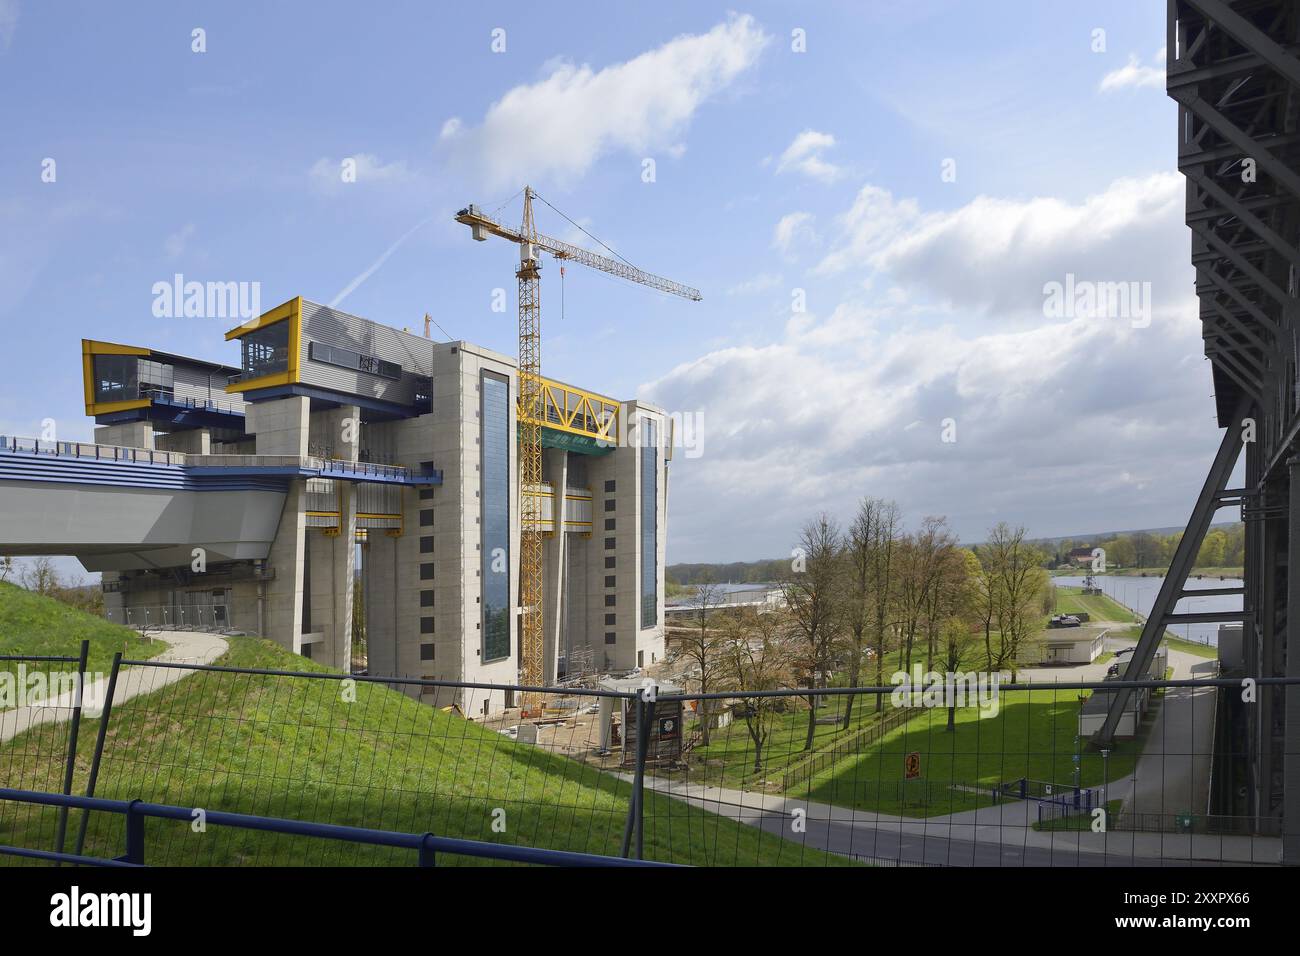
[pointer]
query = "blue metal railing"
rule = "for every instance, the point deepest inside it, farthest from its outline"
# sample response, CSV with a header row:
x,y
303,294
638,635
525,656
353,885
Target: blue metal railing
x,y
161,397
329,467
426,845
89,450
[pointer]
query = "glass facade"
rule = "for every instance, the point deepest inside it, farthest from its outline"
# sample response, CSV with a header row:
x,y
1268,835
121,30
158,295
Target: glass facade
x,y
649,522
494,424
117,378
157,380
266,351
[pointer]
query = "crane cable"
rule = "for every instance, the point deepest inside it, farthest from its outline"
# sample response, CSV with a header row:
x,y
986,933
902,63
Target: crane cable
x,y
594,239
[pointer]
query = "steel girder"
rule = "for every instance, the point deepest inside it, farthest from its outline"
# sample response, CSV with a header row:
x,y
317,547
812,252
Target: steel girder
x,y
1234,70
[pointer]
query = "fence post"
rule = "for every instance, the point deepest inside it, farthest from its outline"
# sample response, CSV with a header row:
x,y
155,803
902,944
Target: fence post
x,y
636,779
62,832
642,750
134,834
105,713
428,855
635,816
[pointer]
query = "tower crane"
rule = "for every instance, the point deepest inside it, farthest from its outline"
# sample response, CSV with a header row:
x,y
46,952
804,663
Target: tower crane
x,y
531,414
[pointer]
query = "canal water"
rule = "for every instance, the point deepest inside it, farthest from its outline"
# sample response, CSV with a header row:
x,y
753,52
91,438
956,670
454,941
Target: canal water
x,y
1139,594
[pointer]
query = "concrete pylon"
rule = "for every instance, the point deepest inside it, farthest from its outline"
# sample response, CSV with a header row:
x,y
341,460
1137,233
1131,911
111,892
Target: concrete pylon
x,y
344,575
556,466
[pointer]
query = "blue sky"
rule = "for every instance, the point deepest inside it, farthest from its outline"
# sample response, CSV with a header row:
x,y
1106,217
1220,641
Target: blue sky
x,y
775,171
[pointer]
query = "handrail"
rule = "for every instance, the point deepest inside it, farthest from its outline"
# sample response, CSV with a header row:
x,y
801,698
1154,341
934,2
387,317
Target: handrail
x,y
185,401
427,845
123,453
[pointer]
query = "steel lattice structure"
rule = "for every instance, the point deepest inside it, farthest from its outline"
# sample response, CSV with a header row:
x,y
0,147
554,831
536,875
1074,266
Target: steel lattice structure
x,y
1233,69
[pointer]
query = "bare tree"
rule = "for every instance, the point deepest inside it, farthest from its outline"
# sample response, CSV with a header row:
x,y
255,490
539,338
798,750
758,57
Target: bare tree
x,y
884,527
6,567
856,601
810,595
961,625
41,576
756,657
919,566
945,590
703,648
1013,588
866,588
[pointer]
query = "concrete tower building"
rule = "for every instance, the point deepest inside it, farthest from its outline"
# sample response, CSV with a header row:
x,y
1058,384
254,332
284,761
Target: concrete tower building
x,y
341,453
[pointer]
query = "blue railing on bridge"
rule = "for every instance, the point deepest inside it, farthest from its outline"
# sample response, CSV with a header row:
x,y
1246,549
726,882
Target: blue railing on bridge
x,y
213,465
426,846
89,450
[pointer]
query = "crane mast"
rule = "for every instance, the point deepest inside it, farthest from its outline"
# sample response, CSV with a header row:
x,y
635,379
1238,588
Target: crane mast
x,y
530,455
531,414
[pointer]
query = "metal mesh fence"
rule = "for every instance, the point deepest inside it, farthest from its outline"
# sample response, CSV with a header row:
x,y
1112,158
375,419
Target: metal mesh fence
x,y
862,777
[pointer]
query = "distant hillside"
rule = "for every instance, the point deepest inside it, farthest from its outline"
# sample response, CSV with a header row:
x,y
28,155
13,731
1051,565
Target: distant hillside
x,y
1105,535
772,569
737,572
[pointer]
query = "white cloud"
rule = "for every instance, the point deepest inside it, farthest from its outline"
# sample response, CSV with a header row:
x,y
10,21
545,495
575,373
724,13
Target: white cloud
x,y
1061,424
1135,74
362,168
177,241
794,230
8,22
562,124
804,155
994,255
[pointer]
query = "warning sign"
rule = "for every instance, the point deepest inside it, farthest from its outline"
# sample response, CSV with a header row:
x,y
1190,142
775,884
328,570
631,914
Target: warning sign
x,y
912,765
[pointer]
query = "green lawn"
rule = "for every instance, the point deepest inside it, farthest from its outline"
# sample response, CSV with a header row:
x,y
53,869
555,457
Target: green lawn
x,y
38,626
728,760
1207,651
1216,572
295,748
1099,607
1033,735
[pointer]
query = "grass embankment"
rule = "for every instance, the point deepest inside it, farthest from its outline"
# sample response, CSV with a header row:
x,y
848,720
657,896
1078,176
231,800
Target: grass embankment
x,y
1215,572
1206,651
1099,607
31,625
294,747
1195,648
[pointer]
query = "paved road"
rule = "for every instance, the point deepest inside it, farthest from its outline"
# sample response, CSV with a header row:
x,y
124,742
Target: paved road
x,y
1170,776
991,836
188,647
